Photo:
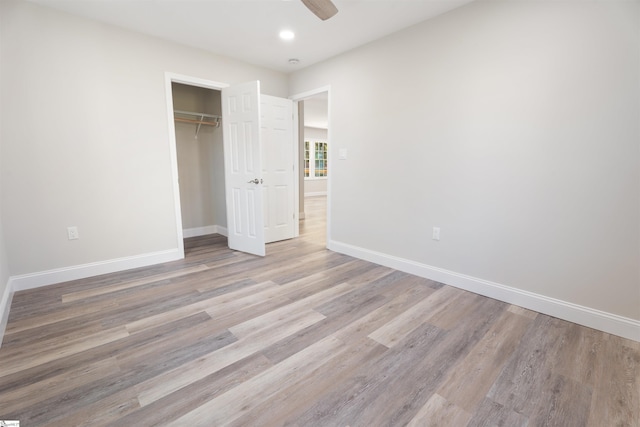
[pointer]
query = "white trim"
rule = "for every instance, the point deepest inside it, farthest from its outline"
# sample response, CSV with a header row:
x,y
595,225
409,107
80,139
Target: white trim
x,y
332,160
295,129
192,81
308,94
5,305
315,193
203,231
586,316
173,155
59,275
44,278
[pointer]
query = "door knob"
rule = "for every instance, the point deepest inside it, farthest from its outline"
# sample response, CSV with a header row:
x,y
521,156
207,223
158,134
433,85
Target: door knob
x,y
255,181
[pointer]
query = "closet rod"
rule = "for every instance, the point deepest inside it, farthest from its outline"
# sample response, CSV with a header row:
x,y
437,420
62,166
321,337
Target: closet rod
x,y
191,113
198,120
180,119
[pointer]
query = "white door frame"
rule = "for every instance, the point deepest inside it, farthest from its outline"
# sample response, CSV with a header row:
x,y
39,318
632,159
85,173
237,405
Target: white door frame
x,y
301,97
191,81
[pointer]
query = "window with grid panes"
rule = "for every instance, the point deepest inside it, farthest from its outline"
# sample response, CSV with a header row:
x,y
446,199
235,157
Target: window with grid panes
x,y
315,159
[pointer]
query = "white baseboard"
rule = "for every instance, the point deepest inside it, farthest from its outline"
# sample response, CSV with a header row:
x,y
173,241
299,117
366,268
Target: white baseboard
x,y
5,305
59,275
315,193
592,318
203,231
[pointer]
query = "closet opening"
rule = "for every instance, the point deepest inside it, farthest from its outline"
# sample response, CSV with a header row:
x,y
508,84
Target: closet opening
x,y
200,158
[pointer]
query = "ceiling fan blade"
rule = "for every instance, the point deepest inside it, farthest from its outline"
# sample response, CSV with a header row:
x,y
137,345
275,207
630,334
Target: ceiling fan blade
x,y
323,9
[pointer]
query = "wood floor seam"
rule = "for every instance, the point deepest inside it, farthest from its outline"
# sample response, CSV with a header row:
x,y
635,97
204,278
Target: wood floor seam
x,y
302,337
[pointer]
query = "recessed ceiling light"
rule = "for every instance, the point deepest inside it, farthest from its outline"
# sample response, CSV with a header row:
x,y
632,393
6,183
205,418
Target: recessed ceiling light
x,y
287,35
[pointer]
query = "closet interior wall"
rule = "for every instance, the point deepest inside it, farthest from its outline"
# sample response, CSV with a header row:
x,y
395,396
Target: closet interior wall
x,y
200,163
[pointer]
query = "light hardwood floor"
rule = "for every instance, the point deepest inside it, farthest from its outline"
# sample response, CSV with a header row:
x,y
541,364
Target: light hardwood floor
x,y
302,337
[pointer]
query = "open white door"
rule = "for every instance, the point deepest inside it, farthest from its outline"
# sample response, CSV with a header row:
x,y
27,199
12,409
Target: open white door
x,y
242,161
278,167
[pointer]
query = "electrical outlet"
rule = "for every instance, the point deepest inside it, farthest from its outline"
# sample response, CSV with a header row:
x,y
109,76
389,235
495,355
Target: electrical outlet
x,y
72,233
436,233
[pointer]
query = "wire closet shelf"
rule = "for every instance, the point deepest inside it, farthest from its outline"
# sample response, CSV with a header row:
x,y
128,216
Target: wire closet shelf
x,y
198,119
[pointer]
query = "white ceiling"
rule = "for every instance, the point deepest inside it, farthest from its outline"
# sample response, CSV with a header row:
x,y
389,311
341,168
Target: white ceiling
x,y
248,29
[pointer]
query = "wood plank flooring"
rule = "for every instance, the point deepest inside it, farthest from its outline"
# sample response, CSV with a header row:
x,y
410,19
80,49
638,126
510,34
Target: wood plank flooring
x,y
302,337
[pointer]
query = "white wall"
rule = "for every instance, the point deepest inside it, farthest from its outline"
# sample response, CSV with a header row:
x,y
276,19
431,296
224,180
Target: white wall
x,y
5,294
200,161
5,289
512,126
85,136
315,186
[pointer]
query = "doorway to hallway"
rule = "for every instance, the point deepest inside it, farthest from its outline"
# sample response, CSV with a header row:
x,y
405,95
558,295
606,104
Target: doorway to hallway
x,y
313,228
315,164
